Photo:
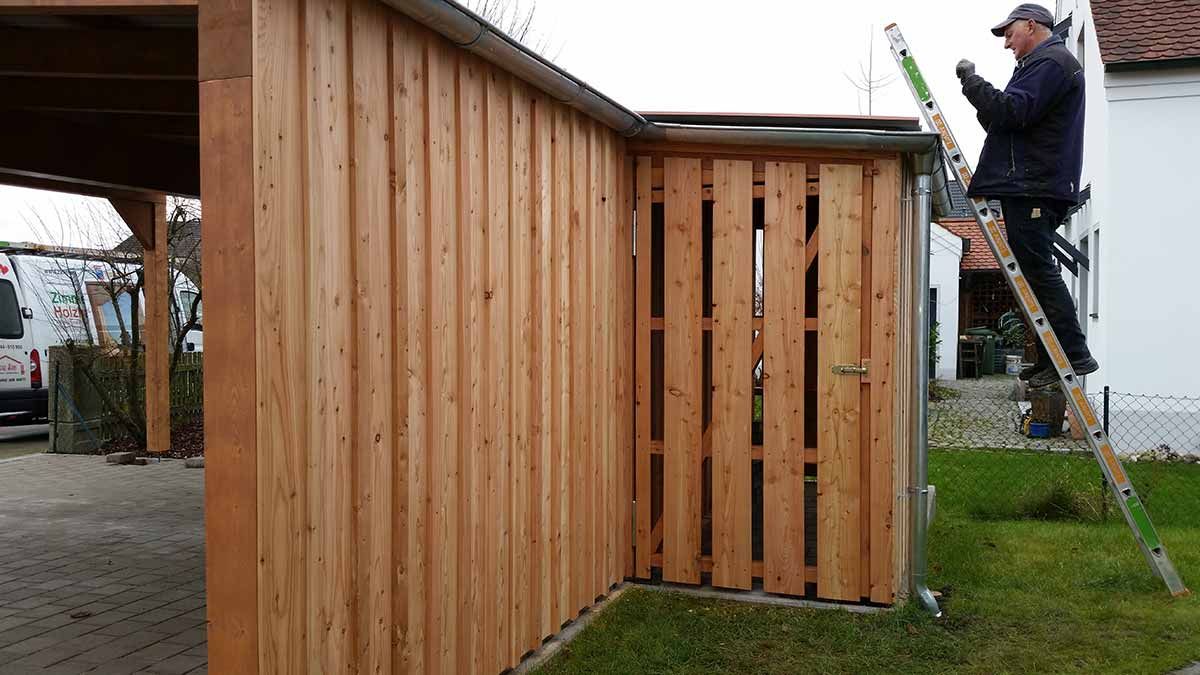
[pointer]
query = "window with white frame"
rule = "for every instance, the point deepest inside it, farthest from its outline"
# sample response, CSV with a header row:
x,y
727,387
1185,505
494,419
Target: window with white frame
x,y
933,305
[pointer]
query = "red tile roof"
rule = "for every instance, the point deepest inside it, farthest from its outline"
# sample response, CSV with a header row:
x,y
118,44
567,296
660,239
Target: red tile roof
x,y
979,257
1137,31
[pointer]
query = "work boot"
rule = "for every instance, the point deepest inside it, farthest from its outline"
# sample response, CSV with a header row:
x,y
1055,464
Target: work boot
x,y
1029,371
1049,376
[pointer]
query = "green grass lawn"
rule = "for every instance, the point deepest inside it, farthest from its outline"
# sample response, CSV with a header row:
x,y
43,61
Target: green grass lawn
x,y
1021,596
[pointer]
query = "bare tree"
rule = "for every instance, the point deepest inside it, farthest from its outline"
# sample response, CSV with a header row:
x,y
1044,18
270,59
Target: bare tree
x,y
866,82
111,279
517,20
184,252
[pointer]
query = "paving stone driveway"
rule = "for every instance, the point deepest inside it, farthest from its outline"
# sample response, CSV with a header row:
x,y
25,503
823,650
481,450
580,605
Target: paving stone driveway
x,y
119,547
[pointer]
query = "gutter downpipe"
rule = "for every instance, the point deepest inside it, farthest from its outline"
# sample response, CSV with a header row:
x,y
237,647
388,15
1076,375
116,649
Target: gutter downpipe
x,y
919,489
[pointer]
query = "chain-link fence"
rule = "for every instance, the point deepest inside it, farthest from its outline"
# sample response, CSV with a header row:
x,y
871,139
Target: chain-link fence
x,y
994,455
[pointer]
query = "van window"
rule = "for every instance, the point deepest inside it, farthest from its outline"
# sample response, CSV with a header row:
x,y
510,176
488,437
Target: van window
x,y
12,326
186,298
111,328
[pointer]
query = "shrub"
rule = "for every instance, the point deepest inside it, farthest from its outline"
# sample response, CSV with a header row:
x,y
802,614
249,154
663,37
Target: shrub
x,y
1061,499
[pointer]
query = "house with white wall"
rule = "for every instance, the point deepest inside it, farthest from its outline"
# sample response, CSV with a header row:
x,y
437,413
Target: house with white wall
x,y
1139,302
945,257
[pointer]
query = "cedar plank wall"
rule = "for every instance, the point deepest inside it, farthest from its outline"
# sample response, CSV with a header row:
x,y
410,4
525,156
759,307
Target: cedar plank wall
x,y
441,264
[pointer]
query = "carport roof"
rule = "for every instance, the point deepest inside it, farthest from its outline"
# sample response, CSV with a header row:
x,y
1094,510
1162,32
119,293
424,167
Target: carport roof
x,y
94,89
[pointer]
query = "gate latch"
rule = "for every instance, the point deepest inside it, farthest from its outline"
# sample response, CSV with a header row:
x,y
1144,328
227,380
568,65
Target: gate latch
x,y
849,369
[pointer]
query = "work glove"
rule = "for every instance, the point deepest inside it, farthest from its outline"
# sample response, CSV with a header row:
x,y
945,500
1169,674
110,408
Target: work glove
x,y
964,69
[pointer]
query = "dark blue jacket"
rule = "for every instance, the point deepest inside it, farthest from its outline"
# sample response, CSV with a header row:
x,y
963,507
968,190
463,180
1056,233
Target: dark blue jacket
x,y
1034,145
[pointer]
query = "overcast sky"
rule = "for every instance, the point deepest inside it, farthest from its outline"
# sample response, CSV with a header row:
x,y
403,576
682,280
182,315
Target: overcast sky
x,y
777,56
760,56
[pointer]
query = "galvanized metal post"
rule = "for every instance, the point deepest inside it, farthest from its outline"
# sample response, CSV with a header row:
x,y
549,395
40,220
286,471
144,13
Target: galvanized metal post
x,y
919,490
1106,393
1104,490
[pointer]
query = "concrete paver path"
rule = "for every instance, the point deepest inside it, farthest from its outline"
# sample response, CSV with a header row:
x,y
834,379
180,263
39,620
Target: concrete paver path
x,y
101,567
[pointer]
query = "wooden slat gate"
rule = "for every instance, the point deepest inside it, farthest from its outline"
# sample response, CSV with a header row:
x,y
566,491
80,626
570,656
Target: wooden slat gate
x,y
756,281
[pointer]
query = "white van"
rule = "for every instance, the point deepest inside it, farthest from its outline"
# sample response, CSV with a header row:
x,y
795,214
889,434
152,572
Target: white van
x,y
46,301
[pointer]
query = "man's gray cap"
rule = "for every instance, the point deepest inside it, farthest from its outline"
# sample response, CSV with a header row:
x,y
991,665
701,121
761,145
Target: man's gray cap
x,y
1026,10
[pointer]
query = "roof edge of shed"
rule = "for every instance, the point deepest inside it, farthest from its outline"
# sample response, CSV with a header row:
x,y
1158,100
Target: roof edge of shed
x,y
923,147
471,32
915,142
786,120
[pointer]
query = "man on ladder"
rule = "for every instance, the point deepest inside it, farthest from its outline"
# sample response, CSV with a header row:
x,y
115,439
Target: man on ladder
x,y
1031,162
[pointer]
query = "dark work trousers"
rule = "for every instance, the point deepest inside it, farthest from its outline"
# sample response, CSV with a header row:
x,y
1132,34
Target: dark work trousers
x,y
1031,224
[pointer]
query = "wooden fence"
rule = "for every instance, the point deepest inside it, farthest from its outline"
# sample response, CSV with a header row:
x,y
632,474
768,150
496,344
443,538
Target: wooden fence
x,y
81,379
761,452
187,386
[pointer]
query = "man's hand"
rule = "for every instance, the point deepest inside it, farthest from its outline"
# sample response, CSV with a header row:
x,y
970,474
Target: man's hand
x,y
964,69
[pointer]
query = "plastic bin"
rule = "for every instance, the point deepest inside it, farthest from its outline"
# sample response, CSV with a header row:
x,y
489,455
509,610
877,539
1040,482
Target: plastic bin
x,y
990,339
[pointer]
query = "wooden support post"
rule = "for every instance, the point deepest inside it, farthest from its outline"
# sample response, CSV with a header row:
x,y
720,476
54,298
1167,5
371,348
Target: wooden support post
x,y
156,338
148,222
233,343
230,385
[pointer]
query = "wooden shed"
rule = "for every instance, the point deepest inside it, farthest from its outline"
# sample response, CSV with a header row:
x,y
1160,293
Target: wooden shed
x,y
482,343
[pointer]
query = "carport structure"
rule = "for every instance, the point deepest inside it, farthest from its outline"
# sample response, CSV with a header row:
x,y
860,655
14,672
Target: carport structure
x,y
100,99
424,403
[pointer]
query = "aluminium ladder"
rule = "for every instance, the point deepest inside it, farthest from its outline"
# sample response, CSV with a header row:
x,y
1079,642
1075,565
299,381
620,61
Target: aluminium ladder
x,y
1131,505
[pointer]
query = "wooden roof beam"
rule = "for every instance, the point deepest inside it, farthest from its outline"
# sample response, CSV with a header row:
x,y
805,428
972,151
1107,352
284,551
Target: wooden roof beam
x,y
139,216
136,124
38,147
75,188
160,54
120,7
156,97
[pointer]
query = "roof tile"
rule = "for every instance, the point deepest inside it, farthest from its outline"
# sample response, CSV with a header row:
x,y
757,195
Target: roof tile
x,y
1132,31
978,255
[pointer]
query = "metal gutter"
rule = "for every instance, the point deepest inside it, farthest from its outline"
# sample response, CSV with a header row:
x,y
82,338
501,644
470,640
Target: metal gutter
x,y
784,120
470,32
931,163
919,489
1153,64
854,139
